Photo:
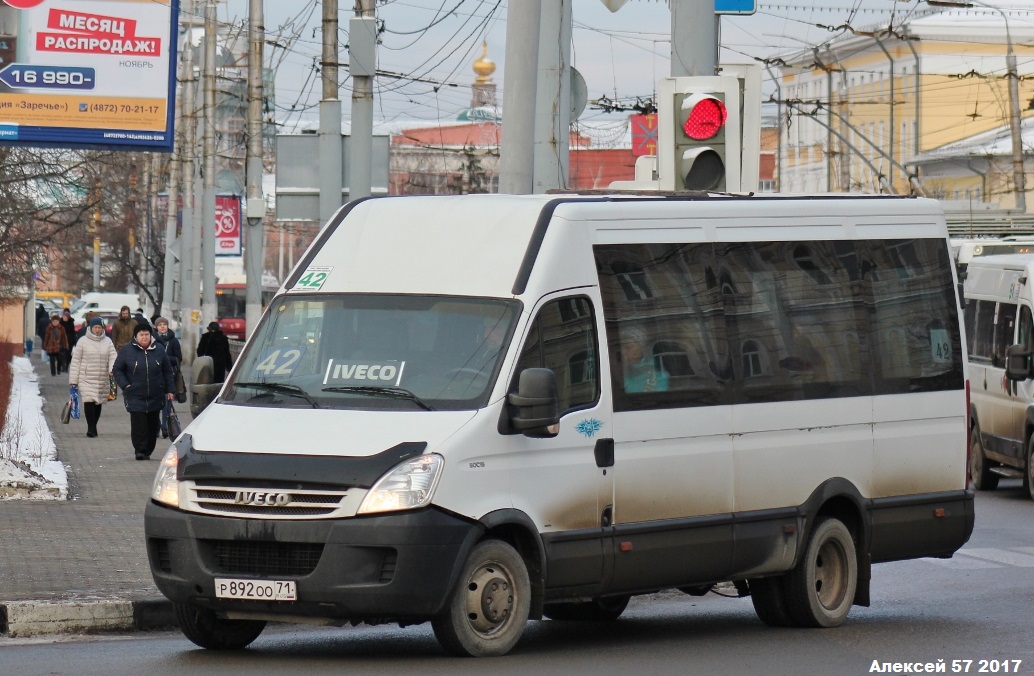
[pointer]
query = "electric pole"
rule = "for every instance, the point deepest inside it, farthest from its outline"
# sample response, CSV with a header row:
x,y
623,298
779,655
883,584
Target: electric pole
x,y
694,38
330,119
208,310
190,295
362,58
256,206
517,151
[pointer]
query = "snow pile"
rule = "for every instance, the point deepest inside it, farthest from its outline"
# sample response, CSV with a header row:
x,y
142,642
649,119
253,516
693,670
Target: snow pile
x,y
29,468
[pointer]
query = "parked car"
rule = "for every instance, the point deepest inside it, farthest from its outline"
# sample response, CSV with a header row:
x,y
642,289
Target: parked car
x,y
109,320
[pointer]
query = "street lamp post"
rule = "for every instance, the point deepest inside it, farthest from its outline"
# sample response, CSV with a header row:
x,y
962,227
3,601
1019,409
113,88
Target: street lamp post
x,y
1015,121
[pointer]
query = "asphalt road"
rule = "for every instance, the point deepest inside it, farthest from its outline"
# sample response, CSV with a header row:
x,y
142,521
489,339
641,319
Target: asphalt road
x,y
976,606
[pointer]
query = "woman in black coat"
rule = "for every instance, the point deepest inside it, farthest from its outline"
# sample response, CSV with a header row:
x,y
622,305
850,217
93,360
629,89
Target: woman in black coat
x,y
144,372
167,339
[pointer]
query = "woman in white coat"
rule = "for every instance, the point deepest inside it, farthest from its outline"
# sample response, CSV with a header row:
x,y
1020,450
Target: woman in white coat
x,y
92,361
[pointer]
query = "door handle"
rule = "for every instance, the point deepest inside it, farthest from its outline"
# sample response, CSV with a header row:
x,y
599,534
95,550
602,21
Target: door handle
x,y
604,452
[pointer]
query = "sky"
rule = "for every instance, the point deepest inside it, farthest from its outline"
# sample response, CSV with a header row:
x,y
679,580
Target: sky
x,y
621,55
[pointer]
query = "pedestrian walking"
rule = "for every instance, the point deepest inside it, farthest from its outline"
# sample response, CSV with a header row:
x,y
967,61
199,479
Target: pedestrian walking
x,y
167,339
216,345
86,325
122,329
55,342
93,359
143,371
68,324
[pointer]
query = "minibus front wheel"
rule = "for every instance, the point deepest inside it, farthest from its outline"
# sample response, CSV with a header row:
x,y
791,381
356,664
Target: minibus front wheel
x,y
821,588
489,608
980,473
205,629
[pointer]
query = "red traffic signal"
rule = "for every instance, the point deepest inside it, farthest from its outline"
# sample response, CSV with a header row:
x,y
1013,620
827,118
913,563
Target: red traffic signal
x,y
705,116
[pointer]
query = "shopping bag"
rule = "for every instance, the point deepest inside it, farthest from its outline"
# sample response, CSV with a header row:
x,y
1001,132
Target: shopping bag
x,y
66,412
44,357
181,387
73,393
112,389
173,422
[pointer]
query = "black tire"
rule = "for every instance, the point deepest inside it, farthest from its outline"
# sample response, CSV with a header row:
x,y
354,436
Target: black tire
x,y
820,589
205,629
980,474
597,610
489,608
1028,474
768,594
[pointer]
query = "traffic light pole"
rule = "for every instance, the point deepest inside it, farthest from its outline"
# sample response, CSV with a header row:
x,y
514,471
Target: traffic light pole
x,y
694,38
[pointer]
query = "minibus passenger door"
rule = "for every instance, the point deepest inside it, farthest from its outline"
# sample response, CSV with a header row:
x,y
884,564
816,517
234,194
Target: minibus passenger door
x,y
1021,392
556,479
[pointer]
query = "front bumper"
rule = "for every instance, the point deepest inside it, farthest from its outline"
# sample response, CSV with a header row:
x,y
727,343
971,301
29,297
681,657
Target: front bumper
x,y
398,567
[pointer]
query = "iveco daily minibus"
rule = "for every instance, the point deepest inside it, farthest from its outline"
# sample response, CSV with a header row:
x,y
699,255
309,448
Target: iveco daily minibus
x,y
1000,336
480,410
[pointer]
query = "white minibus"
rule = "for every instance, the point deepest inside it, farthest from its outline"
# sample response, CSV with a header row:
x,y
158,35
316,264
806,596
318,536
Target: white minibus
x,y
478,410
1000,335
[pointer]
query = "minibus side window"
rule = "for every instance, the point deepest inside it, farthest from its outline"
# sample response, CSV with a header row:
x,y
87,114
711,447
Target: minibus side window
x,y
1025,337
563,338
980,328
1005,328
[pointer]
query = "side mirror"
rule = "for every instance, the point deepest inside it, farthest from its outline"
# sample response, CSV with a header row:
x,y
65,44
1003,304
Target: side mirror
x,y
537,403
1017,362
203,388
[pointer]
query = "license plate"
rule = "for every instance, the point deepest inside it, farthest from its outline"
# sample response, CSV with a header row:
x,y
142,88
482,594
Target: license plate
x,y
256,590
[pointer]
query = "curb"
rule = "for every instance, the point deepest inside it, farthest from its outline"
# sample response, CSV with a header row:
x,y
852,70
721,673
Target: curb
x,y
36,618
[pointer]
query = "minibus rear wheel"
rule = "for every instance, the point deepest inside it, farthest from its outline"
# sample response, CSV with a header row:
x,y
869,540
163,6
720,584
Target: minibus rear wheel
x,y
821,588
204,628
768,594
596,610
489,608
1028,476
979,471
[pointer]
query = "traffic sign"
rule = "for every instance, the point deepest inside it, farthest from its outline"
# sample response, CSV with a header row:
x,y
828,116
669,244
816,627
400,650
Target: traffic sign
x,y
735,6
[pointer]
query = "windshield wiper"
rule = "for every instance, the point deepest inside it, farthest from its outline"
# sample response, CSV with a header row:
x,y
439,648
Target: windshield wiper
x,y
394,392
290,390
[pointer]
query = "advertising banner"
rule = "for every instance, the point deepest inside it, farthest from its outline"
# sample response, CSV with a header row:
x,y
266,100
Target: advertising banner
x,y
88,73
228,225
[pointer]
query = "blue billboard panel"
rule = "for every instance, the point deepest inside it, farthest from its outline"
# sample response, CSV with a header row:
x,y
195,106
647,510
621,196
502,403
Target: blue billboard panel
x,y
98,74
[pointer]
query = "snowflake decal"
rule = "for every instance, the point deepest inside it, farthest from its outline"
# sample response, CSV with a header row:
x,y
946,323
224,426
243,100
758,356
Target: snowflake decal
x,y
589,427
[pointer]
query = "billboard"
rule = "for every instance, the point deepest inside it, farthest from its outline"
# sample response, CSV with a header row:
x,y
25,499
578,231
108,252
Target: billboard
x,y
88,73
228,225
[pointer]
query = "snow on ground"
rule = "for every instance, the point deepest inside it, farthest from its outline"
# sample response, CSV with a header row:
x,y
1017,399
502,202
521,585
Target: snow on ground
x,y
29,468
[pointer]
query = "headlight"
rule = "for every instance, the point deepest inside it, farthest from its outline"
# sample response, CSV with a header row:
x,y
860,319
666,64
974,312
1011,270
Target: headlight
x,y
408,486
166,487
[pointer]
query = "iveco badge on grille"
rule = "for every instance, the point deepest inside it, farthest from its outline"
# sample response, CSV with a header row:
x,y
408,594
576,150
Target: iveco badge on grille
x,y
262,498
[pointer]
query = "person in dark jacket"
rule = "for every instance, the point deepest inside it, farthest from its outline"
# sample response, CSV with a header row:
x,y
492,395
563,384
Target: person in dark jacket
x,y
144,372
216,345
68,324
55,343
167,339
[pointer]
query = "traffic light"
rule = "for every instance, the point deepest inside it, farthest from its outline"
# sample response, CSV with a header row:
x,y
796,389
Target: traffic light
x,y
700,148
699,140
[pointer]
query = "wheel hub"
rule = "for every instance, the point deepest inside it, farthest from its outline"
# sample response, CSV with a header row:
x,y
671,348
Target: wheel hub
x,y
490,599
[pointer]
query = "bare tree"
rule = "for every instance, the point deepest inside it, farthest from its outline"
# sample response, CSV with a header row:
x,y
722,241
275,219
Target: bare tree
x,y
41,197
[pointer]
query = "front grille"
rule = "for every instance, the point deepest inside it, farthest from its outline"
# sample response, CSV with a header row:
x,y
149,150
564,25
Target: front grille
x,y
267,503
292,559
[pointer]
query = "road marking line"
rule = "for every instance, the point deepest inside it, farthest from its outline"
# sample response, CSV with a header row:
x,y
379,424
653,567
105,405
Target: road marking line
x,y
1003,556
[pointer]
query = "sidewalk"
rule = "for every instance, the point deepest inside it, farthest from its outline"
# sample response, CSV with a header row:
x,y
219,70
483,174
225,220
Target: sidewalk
x,y
81,564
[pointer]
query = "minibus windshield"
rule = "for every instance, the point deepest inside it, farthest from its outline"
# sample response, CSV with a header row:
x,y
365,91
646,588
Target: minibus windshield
x,y
397,352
